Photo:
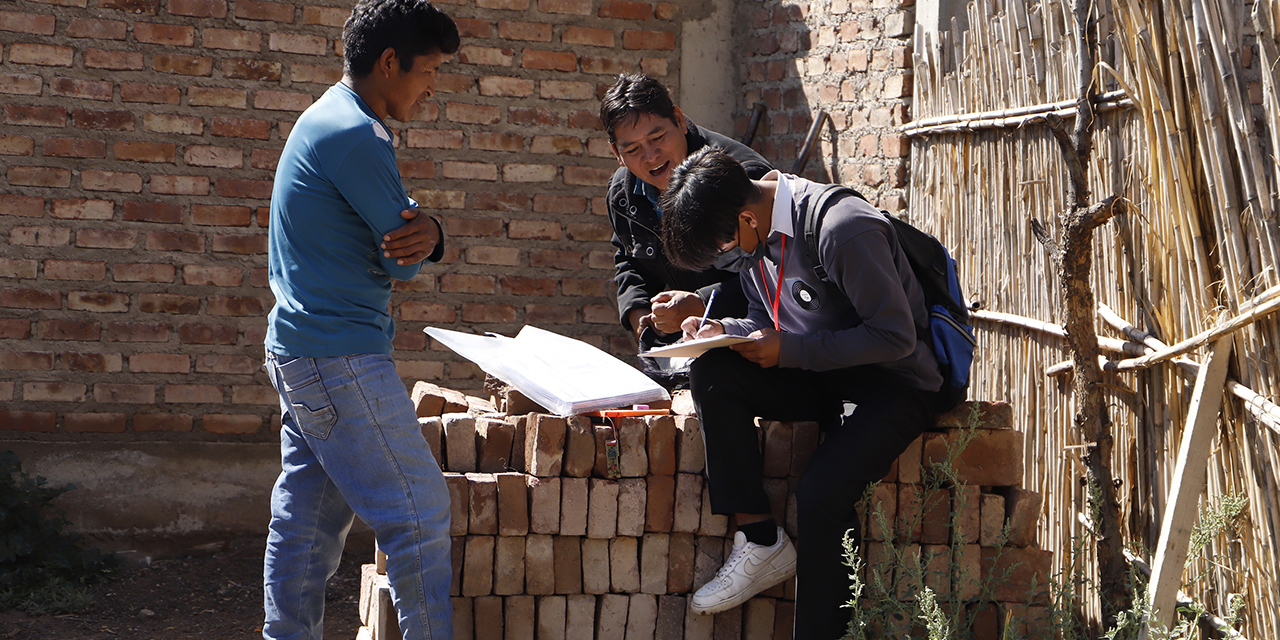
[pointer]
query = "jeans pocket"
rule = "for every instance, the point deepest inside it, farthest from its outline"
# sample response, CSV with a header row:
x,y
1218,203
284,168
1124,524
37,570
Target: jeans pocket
x,y
308,399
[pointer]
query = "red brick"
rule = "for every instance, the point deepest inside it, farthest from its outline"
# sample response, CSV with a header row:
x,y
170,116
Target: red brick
x,y
35,421
168,123
94,180
80,209
150,93
26,360
147,422
230,423
599,314
467,283
53,392
94,422
200,8
526,286
173,35
26,206
550,203
21,84
222,215
589,36
91,362
136,332
68,330
207,334
325,16
210,156
241,128
236,306
109,120
35,116
192,393
268,158
41,54
144,151
106,238
250,69
212,276
159,363
588,232
113,60
626,10
511,5
98,301
180,185
504,86
490,56
124,393
555,259
244,244
566,145
519,172
18,268
281,100
605,66
26,23
549,60
587,120
1011,570
550,314
273,11
469,170
233,39
532,31
243,365
182,64
488,313
168,303
39,176
474,28
534,229
533,116
298,43
86,89
142,272
434,139
39,236
500,201
993,457
97,30
75,147
240,188
323,74
578,7
16,145
14,328
417,311
667,11
584,287
474,227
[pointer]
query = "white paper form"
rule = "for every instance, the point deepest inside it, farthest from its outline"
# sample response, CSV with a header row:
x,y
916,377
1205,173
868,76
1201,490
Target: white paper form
x,y
696,347
565,375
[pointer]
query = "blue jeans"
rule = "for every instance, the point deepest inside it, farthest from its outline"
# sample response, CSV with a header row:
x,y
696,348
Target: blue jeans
x,y
350,445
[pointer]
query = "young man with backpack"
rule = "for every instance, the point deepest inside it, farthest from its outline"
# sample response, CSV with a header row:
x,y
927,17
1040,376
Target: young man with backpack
x,y
650,136
819,346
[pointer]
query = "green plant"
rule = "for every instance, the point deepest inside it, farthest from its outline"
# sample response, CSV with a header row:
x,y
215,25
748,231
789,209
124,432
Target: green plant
x,y
43,569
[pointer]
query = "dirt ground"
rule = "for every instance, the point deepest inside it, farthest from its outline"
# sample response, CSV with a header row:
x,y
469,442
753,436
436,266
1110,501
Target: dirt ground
x,y
177,590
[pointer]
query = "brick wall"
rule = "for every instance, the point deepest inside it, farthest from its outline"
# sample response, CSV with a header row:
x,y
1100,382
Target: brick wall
x,y
138,140
849,57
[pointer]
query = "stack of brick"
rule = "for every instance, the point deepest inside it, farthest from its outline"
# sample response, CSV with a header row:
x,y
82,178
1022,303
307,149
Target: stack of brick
x,y
547,546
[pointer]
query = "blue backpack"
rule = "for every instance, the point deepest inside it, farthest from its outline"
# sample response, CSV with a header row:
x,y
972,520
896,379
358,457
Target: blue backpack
x,y
950,331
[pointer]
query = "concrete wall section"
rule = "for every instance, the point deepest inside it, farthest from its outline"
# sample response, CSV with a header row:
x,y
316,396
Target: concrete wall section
x,y
158,488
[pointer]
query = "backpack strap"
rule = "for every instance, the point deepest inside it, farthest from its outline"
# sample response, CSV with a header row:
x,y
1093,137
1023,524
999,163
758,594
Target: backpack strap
x,y
811,223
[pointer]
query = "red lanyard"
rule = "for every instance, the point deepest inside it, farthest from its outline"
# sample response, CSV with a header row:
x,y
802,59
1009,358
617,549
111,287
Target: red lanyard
x,y
782,257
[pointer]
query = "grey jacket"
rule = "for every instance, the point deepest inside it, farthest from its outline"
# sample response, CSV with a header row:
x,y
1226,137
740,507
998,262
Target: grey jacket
x,y
870,312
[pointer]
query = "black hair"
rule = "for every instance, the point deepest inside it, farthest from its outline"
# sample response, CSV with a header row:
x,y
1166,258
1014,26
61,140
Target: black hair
x,y
633,94
700,207
411,27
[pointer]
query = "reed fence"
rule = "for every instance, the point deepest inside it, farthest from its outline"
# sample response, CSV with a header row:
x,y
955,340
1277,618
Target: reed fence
x,y
1178,134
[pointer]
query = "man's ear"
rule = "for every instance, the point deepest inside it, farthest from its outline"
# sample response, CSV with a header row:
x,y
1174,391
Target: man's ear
x,y
680,119
747,216
616,154
387,62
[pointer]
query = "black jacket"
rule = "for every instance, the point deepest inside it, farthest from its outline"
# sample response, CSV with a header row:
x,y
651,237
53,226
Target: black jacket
x,y
643,270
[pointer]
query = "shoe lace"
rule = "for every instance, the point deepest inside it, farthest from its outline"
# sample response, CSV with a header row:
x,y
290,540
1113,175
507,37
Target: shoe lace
x,y
732,562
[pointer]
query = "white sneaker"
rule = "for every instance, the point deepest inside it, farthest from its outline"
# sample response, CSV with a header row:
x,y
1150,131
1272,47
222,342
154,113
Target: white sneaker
x,y
750,569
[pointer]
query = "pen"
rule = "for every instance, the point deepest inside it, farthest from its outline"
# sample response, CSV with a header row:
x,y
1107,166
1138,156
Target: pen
x,y
706,312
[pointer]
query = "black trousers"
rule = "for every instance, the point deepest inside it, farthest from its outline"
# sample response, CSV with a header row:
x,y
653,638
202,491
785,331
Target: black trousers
x,y
730,391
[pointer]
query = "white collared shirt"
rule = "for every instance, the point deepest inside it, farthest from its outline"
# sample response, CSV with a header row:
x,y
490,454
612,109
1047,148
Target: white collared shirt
x,y
781,222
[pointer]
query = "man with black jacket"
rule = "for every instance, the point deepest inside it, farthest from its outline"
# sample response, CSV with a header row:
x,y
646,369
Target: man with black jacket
x,y
651,136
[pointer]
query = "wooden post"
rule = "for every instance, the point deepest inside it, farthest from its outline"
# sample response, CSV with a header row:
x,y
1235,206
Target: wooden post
x,y
1189,480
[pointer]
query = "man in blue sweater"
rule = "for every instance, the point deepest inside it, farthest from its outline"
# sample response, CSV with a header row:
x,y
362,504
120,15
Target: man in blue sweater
x,y
350,440
817,346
